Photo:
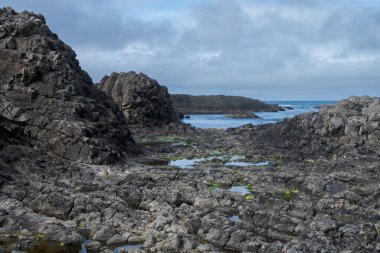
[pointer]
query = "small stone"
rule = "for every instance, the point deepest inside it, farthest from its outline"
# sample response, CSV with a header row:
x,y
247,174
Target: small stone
x,y
102,234
118,239
93,245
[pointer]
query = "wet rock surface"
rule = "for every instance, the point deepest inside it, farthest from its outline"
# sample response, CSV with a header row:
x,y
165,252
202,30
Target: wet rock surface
x,y
48,102
310,206
303,200
143,101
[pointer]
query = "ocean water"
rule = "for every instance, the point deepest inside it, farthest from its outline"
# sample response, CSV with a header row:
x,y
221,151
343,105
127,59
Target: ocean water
x,y
219,121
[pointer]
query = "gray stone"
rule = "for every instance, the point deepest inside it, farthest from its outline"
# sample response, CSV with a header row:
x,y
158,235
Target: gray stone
x,y
103,233
143,101
52,104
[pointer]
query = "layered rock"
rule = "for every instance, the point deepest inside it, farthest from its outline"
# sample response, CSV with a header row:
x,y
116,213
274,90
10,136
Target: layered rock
x,y
143,101
328,205
220,104
352,126
47,101
53,204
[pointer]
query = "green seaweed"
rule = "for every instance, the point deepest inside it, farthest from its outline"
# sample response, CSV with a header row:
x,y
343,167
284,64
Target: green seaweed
x,y
254,158
40,237
214,185
287,194
248,197
312,161
160,140
249,187
278,158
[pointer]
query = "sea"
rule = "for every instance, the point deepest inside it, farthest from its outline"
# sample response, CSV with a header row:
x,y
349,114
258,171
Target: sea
x,y
220,121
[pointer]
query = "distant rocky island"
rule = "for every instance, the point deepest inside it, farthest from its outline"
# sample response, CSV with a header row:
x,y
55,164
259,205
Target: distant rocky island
x,y
220,104
110,168
242,115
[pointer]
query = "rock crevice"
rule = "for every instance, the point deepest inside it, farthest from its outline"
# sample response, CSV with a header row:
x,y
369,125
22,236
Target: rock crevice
x,y
49,101
351,127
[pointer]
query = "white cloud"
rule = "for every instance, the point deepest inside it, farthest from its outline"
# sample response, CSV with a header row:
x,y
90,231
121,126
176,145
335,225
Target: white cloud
x,y
225,46
209,56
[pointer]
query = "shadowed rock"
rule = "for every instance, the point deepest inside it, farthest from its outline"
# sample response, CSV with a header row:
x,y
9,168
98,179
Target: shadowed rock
x,y
219,104
49,204
143,101
352,126
47,101
242,115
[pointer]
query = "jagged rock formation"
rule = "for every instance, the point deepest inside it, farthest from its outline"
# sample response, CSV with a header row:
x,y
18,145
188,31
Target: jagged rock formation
x,y
220,104
49,204
144,102
352,126
47,101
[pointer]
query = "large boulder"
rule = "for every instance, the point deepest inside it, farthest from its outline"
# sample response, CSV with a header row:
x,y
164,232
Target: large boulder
x,y
48,102
144,102
350,127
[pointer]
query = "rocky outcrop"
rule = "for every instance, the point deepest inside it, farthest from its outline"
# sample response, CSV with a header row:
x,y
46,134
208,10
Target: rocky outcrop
x,y
352,126
47,101
220,104
143,101
50,204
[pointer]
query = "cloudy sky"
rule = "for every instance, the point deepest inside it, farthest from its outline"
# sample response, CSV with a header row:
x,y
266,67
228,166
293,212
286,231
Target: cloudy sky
x,y
271,50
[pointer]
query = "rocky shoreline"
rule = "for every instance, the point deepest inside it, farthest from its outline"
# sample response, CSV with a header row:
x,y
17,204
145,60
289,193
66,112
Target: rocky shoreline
x,y
308,184
243,115
306,206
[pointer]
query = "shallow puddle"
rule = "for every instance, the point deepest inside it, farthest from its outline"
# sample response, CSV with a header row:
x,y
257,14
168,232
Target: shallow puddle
x,y
128,247
84,244
177,144
186,163
232,161
131,247
243,164
240,189
234,218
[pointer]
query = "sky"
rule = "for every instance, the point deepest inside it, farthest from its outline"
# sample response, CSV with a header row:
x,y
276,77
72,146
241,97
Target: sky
x,y
270,50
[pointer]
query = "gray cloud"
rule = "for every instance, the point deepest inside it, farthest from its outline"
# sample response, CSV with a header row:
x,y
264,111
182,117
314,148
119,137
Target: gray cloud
x,y
266,49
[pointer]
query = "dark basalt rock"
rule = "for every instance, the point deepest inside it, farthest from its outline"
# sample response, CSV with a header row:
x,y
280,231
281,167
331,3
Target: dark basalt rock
x,y
50,204
143,101
351,127
47,101
220,104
